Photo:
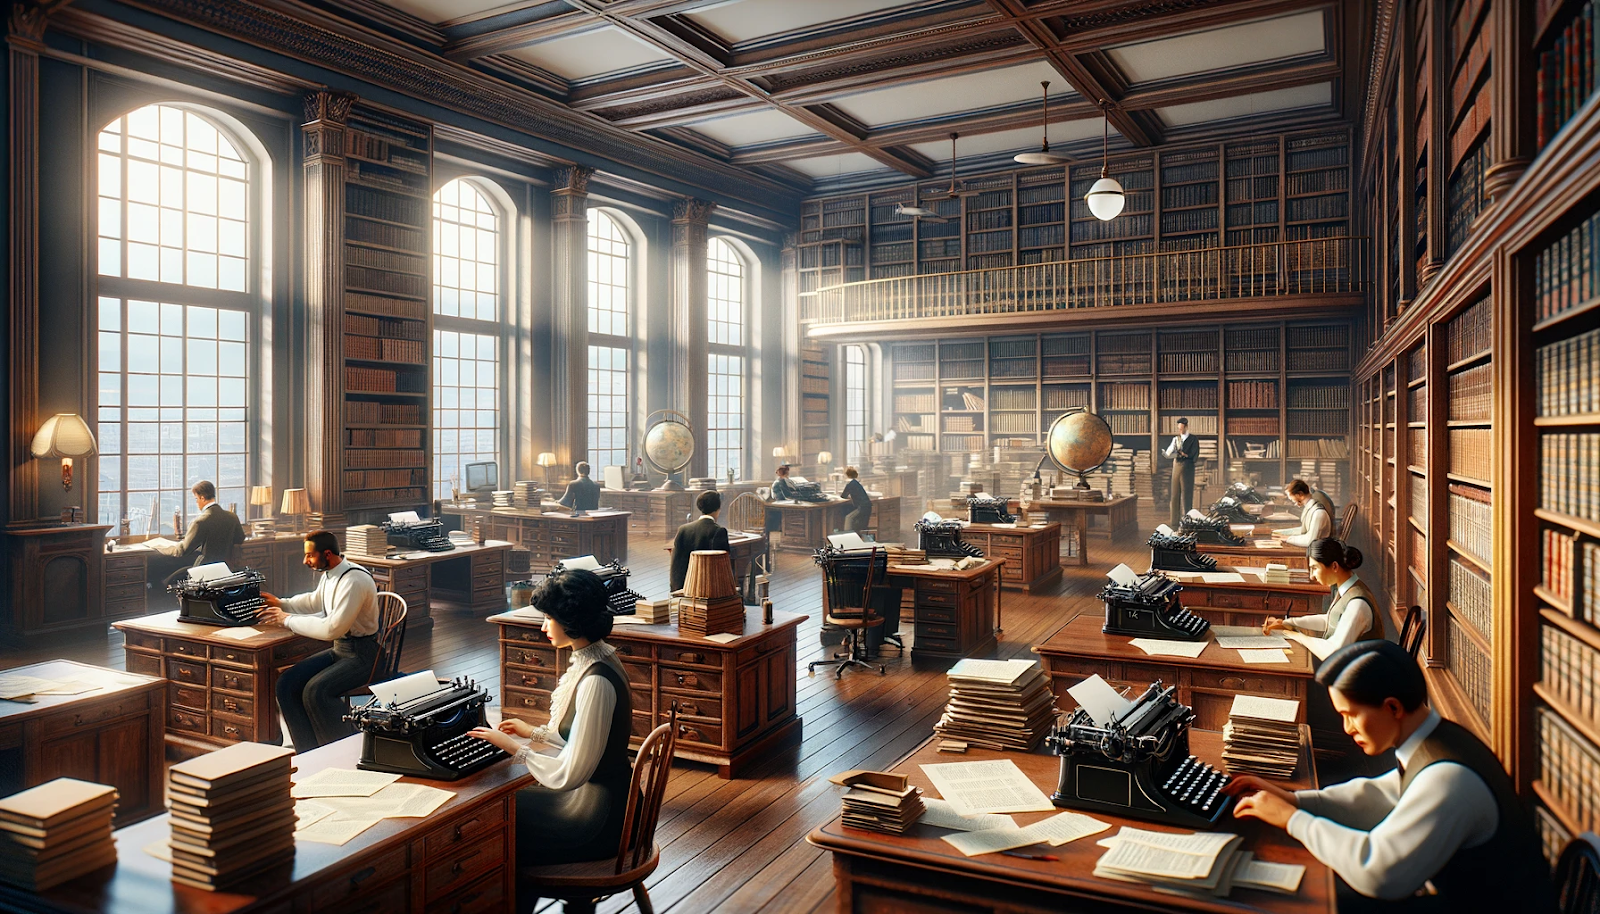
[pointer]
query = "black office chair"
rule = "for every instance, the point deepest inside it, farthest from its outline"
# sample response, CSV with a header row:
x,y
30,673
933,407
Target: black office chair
x,y
849,584
1578,876
1411,631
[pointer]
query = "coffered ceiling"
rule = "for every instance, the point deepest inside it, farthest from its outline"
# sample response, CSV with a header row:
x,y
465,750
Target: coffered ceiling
x,y
823,93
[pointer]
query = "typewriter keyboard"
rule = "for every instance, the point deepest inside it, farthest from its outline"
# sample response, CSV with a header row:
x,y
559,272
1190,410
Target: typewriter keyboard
x,y
1196,786
1186,621
464,752
243,611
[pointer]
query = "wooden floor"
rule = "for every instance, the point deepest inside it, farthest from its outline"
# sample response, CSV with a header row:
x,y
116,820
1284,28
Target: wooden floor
x,y
740,845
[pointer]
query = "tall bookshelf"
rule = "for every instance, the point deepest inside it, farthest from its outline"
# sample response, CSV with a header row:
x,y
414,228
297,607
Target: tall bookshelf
x,y
387,452
1468,106
815,389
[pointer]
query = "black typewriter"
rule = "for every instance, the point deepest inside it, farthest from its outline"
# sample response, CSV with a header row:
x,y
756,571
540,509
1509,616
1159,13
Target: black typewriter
x,y
1138,765
942,539
809,491
427,737
1212,531
619,599
234,599
427,535
1176,552
1246,494
1148,607
1231,511
986,509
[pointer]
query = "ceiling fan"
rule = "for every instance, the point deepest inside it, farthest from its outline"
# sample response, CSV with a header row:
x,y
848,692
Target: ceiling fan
x,y
954,192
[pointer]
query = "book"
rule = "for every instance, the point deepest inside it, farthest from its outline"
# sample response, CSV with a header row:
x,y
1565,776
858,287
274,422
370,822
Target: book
x,y
56,802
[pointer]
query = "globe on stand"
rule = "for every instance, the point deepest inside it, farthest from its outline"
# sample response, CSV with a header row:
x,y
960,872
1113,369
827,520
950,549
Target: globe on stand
x,y
1079,442
668,445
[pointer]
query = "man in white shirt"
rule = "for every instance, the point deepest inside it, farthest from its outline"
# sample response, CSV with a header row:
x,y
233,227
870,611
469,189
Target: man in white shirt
x,y
343,609
1448,818
1315,522
1184,451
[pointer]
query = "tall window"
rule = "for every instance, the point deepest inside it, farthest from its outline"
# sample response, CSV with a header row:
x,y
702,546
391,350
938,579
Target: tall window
x,y
610,341
468,323
725,287
174,313
855,403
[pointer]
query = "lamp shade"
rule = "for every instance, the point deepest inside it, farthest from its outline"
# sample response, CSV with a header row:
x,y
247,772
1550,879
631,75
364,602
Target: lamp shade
x,y
546,459
824,457
296,501
780,452
260,495
1105,199
64,435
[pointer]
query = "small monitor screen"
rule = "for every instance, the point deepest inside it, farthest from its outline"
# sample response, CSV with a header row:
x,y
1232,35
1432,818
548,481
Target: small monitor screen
x,y
482,476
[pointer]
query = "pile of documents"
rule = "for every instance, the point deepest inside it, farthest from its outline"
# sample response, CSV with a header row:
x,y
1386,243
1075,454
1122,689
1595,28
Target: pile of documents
x,y
879,801
709,616
1276,573
1194,863
501,498
998,704
527,493
334,805
57,831
231,814
1261,736
366,539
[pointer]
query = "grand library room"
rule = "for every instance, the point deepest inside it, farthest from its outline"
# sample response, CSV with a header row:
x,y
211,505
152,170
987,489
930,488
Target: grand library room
x,y
1022,455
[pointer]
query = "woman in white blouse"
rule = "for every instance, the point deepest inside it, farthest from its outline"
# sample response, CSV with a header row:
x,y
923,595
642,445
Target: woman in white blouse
x,y
575,811
1352,609
1315,522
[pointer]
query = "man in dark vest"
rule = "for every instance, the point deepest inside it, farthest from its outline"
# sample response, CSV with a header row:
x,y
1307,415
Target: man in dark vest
x,y
1444,831
583,493
701,533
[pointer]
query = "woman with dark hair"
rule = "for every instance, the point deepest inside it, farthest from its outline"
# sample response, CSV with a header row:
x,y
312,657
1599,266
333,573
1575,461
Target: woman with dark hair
x,y
1447,815
860,502
1352,611
575,811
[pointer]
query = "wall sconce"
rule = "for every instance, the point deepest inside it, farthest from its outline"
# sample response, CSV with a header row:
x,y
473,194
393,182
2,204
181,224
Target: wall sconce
x,y
297,504
824,458
67,436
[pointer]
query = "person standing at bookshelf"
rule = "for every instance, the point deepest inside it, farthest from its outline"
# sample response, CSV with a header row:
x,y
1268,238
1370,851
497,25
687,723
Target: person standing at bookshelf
x,y
583,493
1315,521
860,503
1184,451
1447,816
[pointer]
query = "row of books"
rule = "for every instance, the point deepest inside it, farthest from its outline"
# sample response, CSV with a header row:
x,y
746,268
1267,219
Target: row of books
x,y
366,231
1264,212
960,423
1041,235
1567,481
1319,360
1318,423
1086,228
388,328
1190,363
1472,394
1197,171
1565,274
391,307
1012,398
963,443
1567,73
392,261
385,282
1553,836
383,438
1247,163
1189,220
1251,360
1123,363
384,380
1464,195
1327,206
1245,187
1252,425
1472,452
1471,668
1327,156
368,201
362,412
1256,450
380,177
1469,333
1472,596
1189,195
1472,520
1417,447
1171,396
1124,396
913,423
358,497
1568,376
1199,424
890,253
1318,182
1569,767
1475,117
986,242
377,349
1014,423
989,219
1328,448
356,458
1253,394
1043,193
1331,397
380,479
1129,423
1042,213
1064,398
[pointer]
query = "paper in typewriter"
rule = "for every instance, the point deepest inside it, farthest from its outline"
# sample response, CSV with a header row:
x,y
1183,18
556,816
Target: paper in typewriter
x,y
582,562
1123,575
406,688
404,517
1101,702
997,786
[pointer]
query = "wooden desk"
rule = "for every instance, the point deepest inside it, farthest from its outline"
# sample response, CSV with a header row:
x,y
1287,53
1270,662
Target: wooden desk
x,y
279,558
1206,683
654,512
220,690
918,873
1122,516
1251,602
460,858
735,700
111,735
551,537
1032,554
955,613
473,575
895,483
743,548
1251,556
57,581
806,524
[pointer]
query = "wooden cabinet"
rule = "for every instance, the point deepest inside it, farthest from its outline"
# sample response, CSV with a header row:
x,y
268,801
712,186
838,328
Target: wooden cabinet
x,y
549,538
954,612
1252,601
734,700
58,581
1032,554
655,513
127,590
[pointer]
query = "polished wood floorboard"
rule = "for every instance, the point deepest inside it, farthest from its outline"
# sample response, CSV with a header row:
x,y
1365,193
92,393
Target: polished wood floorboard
x,y
739,845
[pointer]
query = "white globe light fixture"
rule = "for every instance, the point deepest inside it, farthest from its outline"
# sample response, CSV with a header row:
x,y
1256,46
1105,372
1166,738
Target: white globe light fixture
x,y
1105,196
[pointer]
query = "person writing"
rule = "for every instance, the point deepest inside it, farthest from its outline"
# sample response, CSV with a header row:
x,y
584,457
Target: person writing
x,y
1315,521
575,811
1447,816
1352,615
1184,451
211,536
701,533
860,502
583,493
343,609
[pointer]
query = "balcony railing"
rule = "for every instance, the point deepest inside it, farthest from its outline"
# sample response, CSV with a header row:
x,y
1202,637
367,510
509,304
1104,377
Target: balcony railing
x,y
1318,266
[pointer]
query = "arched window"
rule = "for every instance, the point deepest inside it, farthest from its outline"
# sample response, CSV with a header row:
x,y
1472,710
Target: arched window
x,y
610,341
178,257
726,351
855,403
468,329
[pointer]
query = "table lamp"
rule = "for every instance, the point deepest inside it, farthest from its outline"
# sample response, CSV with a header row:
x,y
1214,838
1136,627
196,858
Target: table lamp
x,y
781,454
261,497
547,460
297,504
67,436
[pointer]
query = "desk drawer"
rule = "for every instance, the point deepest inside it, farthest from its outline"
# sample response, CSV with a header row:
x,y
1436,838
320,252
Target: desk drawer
x,y
528,679
633,650
187,721
936,631
352,890
689,680
125,593
142,663
640,675
539,658
1239,682
297,650
705,733
487,894
232,729
641,725
147,641
1288,604
123,565
934,645
937,599
642,698
186,671
192,698
182,648
685,657
233,656
525,701
1233,599
240,705
937,587
232,680
522,635
693,706
1147,673
1004,552
942,614
462,864
467,829
1075,668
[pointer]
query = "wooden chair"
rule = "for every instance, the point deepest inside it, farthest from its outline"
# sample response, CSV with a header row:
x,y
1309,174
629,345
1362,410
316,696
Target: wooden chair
x,y
1411,631
391,640
1578,876
1347,524
747,514
580,885
847,593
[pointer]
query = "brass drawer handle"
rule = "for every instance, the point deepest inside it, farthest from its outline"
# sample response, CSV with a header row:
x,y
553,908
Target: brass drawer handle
x,y
462,828
186,674
691,658
461,905
690,707
232,731
229,704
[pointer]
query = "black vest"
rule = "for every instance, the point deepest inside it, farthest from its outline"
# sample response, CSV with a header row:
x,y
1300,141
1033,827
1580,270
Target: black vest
x,y
1505,873
614,772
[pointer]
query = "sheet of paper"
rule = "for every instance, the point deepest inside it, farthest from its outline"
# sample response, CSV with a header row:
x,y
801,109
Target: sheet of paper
x,y
1256,641
396,801
1133,857
1319,647
1068,826
1242,529
17,685
1123,575
1102,703
1282,710
1264,656
628,620
334,831
1195,513
850,540
1157,646
160,850
938,813
990,786
724,637
162,545
404,517
585,562
1282,877
1164,529
67,687
238,633
1268,543
1204,843
210,571
996,671
342,782
1221,577
973,843
406,688
308,811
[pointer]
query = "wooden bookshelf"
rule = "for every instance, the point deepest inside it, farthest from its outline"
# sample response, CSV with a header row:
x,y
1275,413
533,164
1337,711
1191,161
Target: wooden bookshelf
x,y
816,380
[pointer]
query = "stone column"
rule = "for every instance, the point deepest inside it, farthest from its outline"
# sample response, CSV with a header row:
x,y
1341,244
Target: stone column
x,y
789,277
688,388
569,362
24,41
1511,80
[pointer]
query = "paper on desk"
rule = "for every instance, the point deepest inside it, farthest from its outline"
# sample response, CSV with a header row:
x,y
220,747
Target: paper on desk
x,y
938,813
997,786
1282,710
18,685
163,545
1134,857
406,688
625,620
67,687
1123,575
334,831
1256,641
1065,827
396,801
1221,577
309,811
1275,877
528,612
1264,656
1101,702
341,782
238,632
160,850
724,637
973,843
1268,543
1160,647
1320,647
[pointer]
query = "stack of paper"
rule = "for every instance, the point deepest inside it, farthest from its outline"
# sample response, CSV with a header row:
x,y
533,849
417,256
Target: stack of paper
x,y
502,497
232,816
527,493
653,612
1276,573
57,831
1196,862
879,801
366,539
998,704
1261,736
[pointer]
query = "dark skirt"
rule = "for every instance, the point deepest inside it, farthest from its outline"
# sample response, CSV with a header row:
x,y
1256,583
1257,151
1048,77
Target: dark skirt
x,y
568,826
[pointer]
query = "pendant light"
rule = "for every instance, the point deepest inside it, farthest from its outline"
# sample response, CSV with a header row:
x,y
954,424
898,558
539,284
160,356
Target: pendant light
x,y
1044,156
1105,197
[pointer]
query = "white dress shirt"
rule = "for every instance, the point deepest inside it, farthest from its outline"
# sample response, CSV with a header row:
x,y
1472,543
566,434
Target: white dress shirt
x,y
593,700
1314,525
344,603
1177,442
1386,844
1357,619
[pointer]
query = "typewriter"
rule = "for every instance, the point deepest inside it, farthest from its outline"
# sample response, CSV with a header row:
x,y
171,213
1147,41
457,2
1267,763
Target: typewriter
x,y
417,533
987,509
227,598
809,491
942,539
1212,531
1138,765
1146,606
619,599
1175,552
1246,494
1232,511
427,737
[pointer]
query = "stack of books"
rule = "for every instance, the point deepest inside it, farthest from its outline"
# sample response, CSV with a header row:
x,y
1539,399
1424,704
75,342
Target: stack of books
x,y
1261,736
1197,863
998,704
502,497
702,616
879,808
526,493
232,815
57,831
1276,573
655,612
366,539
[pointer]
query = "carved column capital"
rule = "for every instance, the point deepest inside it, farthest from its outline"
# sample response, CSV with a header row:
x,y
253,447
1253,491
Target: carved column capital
x,y
688,209
25,27
1503,175
326,105
572,180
